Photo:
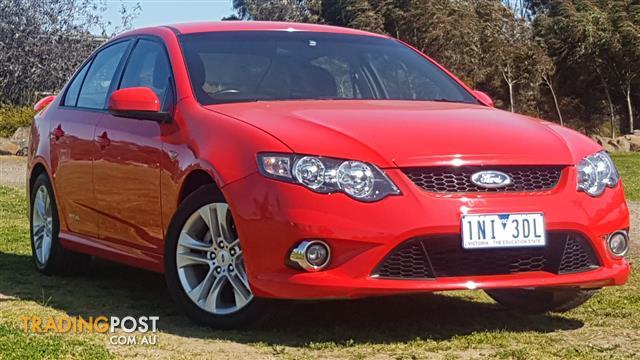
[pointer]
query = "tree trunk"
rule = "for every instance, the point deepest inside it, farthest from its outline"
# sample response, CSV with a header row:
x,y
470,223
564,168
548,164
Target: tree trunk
x,y
611,108
511,95
547,80
506,75
629,107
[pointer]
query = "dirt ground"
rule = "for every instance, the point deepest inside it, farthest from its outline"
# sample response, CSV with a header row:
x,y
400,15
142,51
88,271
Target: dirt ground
x,y
13,170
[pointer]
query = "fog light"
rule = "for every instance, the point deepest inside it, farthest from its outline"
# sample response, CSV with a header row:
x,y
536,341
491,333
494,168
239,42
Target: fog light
x,y
618,243
311,255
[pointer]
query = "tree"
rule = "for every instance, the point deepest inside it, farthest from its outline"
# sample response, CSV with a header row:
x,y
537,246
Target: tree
x,y
277,10
42,43
509,46
625,43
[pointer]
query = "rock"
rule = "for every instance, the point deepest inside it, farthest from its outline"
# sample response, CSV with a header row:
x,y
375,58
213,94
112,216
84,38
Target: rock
x,y
636,132
8,147
599,139
634,140
623,144
23,152
21,136
608,144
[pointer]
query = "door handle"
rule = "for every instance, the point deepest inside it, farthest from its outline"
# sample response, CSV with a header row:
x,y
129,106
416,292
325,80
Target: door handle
x,y
103,140
57,133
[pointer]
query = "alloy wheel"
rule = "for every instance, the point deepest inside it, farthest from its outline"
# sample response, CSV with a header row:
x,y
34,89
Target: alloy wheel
x,y
42,225
210,263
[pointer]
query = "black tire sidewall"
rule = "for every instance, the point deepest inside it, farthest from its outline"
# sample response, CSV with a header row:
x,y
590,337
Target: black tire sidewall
x,y
248,315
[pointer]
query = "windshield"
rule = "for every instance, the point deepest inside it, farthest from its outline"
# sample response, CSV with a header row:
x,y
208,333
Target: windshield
x,y
271,65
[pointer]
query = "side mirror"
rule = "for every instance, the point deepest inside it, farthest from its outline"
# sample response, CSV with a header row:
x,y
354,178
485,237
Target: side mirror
x,y
43,103
484,98
137,103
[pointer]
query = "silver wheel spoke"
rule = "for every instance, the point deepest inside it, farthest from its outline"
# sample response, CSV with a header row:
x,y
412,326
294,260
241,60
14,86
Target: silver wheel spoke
x,y
40,206
46,247
222,213
201,291
241,291
239,267
213,299
190,259
191,243
208,214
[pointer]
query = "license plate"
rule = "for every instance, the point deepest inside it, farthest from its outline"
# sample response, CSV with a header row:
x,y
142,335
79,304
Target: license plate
x,y
503,230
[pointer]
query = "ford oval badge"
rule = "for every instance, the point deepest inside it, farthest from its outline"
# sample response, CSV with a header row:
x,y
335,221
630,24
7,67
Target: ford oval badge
x,y
491,179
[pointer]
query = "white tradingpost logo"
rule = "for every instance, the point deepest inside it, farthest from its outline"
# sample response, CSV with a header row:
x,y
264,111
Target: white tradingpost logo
x,y
129,325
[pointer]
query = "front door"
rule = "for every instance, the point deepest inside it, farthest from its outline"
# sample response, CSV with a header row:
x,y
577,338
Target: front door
x,y
127,164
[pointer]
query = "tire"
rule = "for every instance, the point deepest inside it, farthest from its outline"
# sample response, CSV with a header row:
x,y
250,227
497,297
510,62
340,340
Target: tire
x,y
220,293
49,256
539,301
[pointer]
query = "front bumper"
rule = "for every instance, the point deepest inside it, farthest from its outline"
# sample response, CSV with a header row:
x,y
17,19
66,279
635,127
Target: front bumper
x,y
272,217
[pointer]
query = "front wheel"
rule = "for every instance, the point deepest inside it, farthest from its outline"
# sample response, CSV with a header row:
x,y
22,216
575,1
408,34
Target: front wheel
x,y
204,264
539,301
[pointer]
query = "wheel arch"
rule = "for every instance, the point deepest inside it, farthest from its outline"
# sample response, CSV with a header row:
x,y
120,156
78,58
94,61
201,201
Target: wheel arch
x,y
196,179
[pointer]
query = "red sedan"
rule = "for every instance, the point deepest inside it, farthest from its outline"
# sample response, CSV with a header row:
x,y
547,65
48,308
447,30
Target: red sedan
x,y
251,160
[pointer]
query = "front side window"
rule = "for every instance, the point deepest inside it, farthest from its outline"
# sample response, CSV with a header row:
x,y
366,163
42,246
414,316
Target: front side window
x,y
148,66
97,82
272,65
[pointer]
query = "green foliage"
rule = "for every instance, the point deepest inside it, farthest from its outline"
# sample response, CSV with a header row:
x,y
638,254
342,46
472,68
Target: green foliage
x,y
12,118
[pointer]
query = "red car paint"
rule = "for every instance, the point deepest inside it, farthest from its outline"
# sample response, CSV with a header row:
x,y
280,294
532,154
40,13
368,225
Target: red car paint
x,y
118,181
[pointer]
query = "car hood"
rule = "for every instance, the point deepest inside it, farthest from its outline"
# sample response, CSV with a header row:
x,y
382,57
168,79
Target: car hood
x,y
410,133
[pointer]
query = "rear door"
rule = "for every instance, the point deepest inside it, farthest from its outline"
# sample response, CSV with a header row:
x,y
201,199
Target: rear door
x,y
127,165
73,148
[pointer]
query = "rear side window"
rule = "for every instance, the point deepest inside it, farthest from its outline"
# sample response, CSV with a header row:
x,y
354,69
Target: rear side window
x,y
148,66
95,88
71,97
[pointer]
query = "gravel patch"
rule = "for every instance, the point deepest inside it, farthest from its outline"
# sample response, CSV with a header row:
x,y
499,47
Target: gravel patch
x,y
13,171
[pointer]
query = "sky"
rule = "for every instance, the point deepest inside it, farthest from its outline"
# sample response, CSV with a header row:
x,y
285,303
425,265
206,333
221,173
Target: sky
x,y
162,12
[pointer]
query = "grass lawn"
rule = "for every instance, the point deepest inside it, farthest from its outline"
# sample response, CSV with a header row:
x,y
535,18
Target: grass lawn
x,y
458,325
629,167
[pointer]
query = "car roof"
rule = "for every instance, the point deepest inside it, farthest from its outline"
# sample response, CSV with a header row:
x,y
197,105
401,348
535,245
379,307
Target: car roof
x,y
235,25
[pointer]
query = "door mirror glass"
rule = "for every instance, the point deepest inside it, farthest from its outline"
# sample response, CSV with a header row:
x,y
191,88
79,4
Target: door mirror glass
x,y
136,102
483,97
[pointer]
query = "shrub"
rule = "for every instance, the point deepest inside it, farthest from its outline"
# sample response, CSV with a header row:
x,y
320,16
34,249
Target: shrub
x,y
12,118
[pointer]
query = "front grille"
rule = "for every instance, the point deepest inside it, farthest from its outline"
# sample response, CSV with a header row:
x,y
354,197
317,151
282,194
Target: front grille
x,y
443,256
458,179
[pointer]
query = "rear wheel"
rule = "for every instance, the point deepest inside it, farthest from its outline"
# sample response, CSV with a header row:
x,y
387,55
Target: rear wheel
x,y
204,264
48,255
538,301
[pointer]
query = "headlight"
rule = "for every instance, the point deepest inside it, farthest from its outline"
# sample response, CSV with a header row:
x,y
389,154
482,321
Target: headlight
x,y
596,172
359,180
